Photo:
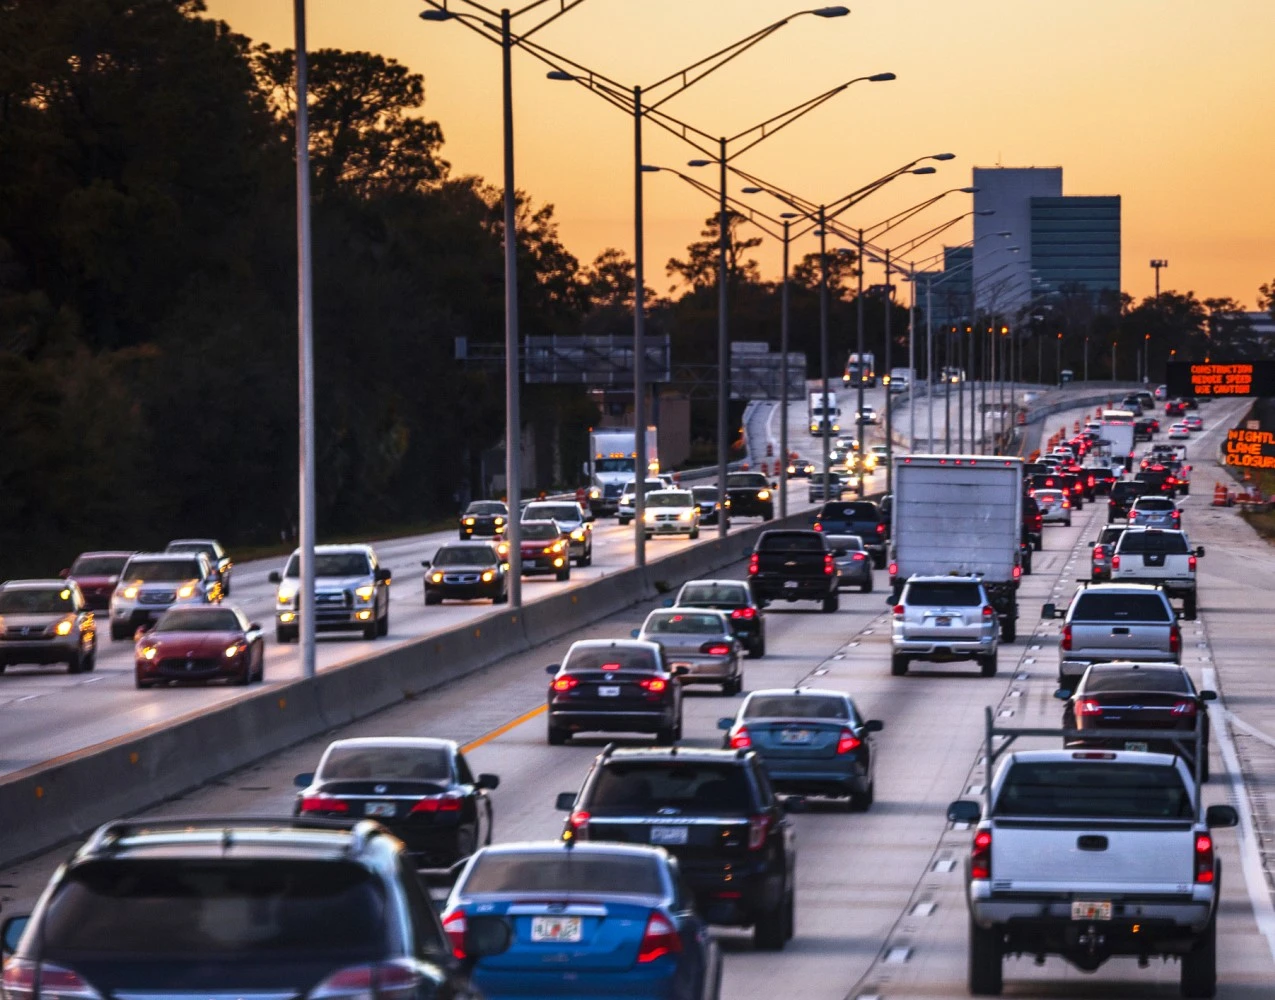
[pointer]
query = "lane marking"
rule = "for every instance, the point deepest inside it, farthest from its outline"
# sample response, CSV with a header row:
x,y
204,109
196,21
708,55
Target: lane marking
x,y
501,730
943,866
923,909
897,956
1231,717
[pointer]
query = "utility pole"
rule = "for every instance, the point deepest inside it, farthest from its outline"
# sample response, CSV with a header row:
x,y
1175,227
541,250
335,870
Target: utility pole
x,y
1156,265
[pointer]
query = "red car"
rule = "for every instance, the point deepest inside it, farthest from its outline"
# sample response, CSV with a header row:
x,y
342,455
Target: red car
x,y
545,548
200,643
97,573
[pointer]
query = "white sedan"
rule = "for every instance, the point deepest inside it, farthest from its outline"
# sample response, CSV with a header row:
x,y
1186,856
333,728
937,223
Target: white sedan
x,y
671,512
1179,432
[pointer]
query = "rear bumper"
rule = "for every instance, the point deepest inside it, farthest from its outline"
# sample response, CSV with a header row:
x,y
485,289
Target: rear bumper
x,y
705,670
813,589
831,776
619,721
655,980
734,894
1045,924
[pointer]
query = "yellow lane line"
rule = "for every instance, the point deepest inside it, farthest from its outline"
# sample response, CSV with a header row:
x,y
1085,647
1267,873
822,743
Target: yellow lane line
x,y
500,731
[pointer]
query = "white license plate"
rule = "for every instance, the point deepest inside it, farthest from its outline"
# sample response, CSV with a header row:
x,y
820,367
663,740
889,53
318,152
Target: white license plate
x,y
564,929
795,736
791,583
379,809
943,621
608,692
1091,909
668,835
1135,745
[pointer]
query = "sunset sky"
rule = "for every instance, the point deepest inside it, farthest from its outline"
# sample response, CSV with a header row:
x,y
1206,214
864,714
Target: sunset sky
x,y
1164,102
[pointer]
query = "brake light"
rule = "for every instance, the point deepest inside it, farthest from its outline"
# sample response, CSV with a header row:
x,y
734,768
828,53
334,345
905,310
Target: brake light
x,y
1066,637
1018,572
753,567
1065,502
981,855
894,570
898,611
758,829
1132,514
880,529
659,939
988,611
455,926
1175,639
1190,563
580,819
24,980
1183,708
1203,858
433,804
747,613
1098,553
1087,706
383,980
817,526
655,685
564,683
740,740
829,567
323,803
1115,562
848,742
715,649
859,557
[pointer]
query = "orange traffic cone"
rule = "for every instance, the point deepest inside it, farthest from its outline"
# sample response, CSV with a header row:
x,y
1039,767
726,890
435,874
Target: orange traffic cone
x,y
1219,495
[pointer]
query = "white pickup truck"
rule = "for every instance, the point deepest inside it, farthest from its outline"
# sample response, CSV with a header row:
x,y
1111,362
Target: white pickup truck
x,y
1087,854
1162,558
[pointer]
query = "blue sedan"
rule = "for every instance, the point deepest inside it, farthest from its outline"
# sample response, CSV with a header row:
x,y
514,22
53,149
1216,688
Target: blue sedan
x,y
589,920
812,742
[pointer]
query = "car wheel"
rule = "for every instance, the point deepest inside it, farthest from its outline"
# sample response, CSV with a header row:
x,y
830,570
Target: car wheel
x,y
769,930
118,633
383,626
283,633
1199,966
244,677
758,649
985,962
1068,521
587,558
1188,607
431,598
898,665
666,736
502,597
1038,544
647,535
558,737
768,514
733,686
142,685
623,520
90,660
1009,631
75,665
987,664
862,801
866,586
694,534
831,603
564,574
260,677
372,629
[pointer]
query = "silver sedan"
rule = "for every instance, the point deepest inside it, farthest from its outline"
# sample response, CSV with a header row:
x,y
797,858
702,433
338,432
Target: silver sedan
x,y
699,646
854,564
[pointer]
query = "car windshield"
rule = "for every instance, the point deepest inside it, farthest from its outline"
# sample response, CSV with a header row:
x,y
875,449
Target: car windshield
x,y
943,594
651,485
795,706
486,508
36,601
851,543
670,500
208,548
1110,536
190,620
162,570
1095,606
611,657
692,789
1142,679
1094,791
704,494
332,564
791,541
98,565
567,513
682,623
576,870
1170,543
206,912
539,531
746,480
468,555
386,763
713,593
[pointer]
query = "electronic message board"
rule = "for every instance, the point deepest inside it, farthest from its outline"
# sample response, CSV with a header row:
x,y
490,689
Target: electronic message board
x,y
1241,378
1250,449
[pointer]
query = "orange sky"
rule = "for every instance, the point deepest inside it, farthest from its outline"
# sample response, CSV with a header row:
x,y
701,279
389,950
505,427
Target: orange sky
x,y
1161,101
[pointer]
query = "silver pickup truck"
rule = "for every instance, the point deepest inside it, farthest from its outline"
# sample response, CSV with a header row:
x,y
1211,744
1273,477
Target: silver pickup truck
x,y
1115,621
1087,854
1160,557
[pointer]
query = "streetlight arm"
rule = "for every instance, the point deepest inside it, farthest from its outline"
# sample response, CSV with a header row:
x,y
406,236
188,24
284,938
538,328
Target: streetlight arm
x,y
564,6
786,118
740,208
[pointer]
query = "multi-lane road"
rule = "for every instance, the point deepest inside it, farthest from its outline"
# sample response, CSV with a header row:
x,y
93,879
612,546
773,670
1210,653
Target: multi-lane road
x,y
879,907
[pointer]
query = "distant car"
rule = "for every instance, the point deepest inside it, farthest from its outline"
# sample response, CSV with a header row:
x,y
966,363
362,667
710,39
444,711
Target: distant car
x,y
944,618
610,918
615,686
1055,506
573,519
351,592
1155,512
96,574
545,548
1100,558
222,564
854,562
812,742
1179,431
153,582
868,415
1033,524
1161,391
202,643
671,512
484,518
750,494
800,468
46,621
839,483
856,517
1174,408
626,509
699,639
1194,423
880,452
1123,494
710,507
466,571
735,598
1160,698
420,789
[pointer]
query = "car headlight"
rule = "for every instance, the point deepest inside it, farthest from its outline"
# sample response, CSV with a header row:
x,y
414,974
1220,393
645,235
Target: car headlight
x,y
469,522
648,515
149,652
187,590
763,494
233,651
595,493
64,626
686,515
365,593
130,592
287,617
578,535
436,577
489,575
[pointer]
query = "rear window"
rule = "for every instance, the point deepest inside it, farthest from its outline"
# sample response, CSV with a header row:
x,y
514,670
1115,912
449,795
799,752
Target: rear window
x,y
163,570
683,623
1155,503
713,594
851,543
850,511
354,763
98,565
1098,607
539,531
693,789
611,658
1094,791
1110,536
569,871
1152,543
795,706
791,541
747,479
1142,679
940,594
222,910
486,507
552,512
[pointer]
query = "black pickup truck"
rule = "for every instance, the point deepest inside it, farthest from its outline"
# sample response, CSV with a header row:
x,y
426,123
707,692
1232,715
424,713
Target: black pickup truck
x,y
750,494
793,566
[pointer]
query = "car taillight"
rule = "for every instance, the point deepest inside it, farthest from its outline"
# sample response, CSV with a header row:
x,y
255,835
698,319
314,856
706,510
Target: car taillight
x,y
829,566
377,981
988,611
758,829
1132,514
1087,706
27,980
1065,502
1066,637
859,557
1098,552
746,613
1115,562
715,649
455,925
564,683
753,567
1018,572
981,855
1175,639
880,529
817,526
1203,858
580,819
659,939
1190,563
1183,708
740,740
323,803
653,684
437,804
848,742
898,611
894,569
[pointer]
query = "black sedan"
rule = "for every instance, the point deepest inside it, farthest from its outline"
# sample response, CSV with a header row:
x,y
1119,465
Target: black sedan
x,y
1158,698
735,597
614,686
466,571
484,519
710,508
420,789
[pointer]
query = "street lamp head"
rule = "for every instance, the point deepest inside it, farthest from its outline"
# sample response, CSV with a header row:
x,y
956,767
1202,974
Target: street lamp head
x,y
943,156
923,170
650,168
881,77
752,189
698,163
968,190
986,211
559,74
837,11
437,15
790,215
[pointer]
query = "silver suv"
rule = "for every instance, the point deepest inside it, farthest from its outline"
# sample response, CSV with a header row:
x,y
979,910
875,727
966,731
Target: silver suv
x,y
351,592
572,519
46,621
944,618
151,583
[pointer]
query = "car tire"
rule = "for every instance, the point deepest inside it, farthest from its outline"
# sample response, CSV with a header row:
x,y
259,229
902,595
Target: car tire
x,y
987,665
831,603
1189,610
733,686
694,534
985,962
244,677
1038,544
75,665
587,558
283,633
118,634
866,586
383,625
90,660
768,514
501,598
432,598
898,665
1199,966
623,520
770,927
1068,521
372,629
647,535
863,802
142,685
563,575
665,736
1009,631
558,737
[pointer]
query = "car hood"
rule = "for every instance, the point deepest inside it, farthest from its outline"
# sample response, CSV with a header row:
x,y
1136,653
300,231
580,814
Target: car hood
x,y
192,643
461,568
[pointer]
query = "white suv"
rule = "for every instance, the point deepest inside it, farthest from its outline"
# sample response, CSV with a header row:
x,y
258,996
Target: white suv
x,y
671,512
151,583
351,592
944,618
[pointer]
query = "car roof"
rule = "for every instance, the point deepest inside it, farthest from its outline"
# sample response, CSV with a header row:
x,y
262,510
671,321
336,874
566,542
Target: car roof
x,y
194,541
944,579
50,584
540,520
683,610
711,582
668,491
1119,588
804,691
616,644
673,754
550,847
470,543
402,742
333,549
107,552
1123,665
169,556
1116,757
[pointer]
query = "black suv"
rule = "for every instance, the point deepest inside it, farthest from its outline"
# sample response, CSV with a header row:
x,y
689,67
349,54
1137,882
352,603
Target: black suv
x,y
856,517
234,908
716,812
750,494
1122,496
735,598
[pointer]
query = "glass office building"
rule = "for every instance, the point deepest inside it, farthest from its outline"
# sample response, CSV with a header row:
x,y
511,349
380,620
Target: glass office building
x,y
1075,243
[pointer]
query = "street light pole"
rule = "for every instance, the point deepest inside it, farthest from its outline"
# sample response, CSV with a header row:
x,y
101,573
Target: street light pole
x,y
826,429
889,392
929,357
783,380
640,467
723,336
513,365
305,356
912,379
858,419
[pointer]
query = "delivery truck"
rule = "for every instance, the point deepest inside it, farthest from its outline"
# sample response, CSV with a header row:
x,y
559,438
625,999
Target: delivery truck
x,y
611,464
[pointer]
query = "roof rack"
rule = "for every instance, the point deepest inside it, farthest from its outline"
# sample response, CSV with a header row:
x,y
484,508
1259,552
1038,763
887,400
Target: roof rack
x,y
107,837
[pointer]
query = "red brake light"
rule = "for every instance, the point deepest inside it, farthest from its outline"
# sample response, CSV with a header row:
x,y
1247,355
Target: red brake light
x,y
981,855
323,803
747,613
715,648
1087,706
659,939
740,740
758,828
1190,563
894,569
1098,553
580,819
1115,562
1183,708
1203,858
1066,637
898,611
880,529
817,526
988,611
859,557
1065,502
565,683
848,742
829,567
653,684
455,926
437,804
24,979
1175,639
1018,572
753,567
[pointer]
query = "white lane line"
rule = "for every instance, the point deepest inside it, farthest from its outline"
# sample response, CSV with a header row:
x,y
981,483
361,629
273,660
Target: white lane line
x,y
1231,717
1254,875
897,956
923,909
943,866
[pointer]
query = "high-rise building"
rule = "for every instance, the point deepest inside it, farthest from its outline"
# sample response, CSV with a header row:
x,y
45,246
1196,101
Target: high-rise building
x,y
1076,244
1002,278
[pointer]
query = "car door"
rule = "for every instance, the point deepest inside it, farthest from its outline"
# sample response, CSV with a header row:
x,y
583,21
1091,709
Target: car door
x,y
480,798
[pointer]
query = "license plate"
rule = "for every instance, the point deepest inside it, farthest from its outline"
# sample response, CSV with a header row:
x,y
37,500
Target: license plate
x,y
379,809
668,835
608,692
791,583
1135,745
943,620
564,929
795,736
1090,909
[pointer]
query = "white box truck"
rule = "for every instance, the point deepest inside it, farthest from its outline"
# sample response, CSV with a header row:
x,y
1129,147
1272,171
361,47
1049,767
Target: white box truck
x,y
961,515
1115,437
611,464
819,408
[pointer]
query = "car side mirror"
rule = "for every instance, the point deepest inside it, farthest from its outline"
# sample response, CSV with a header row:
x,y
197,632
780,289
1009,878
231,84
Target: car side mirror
x,y
964,811
874,726
1093,543
1207,695
275,576
304,780
64,573
724,724
1049,610
1063,694
565,802
488,781
668,602
681,670
635,632
383,575
254,626
485,936
552,669
13,928
1199,551
427,563
1221,816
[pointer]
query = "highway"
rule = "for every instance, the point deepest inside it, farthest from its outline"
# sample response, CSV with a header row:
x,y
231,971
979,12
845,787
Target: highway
x,y
879,908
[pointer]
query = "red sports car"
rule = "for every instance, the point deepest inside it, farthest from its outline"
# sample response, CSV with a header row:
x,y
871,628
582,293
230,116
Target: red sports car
x,y
97,573
200,643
